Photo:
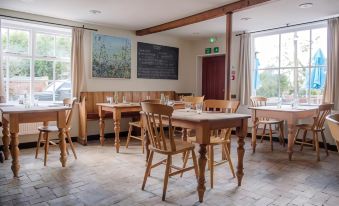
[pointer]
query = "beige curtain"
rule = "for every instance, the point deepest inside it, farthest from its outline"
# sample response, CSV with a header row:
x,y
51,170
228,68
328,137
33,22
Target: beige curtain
x,y
2,85
78,73
331,92
245,59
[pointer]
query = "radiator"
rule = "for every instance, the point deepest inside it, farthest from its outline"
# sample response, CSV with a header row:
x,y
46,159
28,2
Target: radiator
x,y
29,128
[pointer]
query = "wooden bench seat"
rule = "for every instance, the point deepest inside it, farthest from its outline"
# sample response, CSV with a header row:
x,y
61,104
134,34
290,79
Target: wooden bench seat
x,y
88,109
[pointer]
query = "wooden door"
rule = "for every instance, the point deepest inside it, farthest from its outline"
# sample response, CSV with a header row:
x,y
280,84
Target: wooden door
x,y
213,77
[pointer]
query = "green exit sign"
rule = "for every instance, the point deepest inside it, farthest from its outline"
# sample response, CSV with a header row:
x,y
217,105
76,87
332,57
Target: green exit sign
x,y
216,49
208,50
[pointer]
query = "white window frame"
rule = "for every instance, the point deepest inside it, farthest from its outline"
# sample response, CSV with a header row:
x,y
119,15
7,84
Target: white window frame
x,y
279,68
33,29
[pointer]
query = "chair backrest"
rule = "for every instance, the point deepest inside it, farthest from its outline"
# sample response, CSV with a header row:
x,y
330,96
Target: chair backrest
x,y
153,117
258,101
194,100
323,111
333,124
70,102
221,105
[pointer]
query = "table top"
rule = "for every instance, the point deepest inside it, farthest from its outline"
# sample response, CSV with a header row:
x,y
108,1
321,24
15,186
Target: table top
x,y
209,116
286,108
6,108
130,104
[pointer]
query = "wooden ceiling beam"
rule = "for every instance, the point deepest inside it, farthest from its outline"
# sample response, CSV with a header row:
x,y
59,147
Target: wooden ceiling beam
x,y
202,16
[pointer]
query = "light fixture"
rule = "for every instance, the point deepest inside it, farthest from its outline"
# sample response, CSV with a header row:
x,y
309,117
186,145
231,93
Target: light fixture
x,y
212,39
245,18
305,5
95,12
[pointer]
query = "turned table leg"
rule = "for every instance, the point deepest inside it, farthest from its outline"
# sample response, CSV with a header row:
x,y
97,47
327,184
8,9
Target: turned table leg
x,y
241,133
291,133
5,138
116,120
14,130
202,166
61,123
254,130
102,126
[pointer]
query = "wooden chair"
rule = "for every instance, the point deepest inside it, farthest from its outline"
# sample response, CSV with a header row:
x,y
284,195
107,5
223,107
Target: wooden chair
x,y
138,124
45,130
316,127
164,144
261,101
222,139
333,124
193,100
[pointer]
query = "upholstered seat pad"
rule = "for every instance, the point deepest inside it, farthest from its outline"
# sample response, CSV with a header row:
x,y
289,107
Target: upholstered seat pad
x,y
213,141
271,121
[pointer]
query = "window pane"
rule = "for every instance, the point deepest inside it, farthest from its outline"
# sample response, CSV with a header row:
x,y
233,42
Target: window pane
x,y
287,49
63,47
43,90
267,51
62,70
303,48
62,90
19,74
18,41
45,45
43,69
268,84
303,85
319,46
287,85
4,39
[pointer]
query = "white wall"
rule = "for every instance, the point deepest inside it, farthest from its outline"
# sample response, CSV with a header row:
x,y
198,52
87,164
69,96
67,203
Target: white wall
x,y
186,67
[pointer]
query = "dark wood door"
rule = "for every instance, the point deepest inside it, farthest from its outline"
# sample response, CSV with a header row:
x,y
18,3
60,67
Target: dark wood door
x,y
213,77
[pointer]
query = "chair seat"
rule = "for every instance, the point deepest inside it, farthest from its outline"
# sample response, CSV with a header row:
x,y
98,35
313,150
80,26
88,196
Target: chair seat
x,y
48,129
181,147
213,140
136,124
270,121
308,127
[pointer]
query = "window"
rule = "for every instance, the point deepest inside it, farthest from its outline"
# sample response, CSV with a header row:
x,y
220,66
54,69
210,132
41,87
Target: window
x,y
36,61
291,65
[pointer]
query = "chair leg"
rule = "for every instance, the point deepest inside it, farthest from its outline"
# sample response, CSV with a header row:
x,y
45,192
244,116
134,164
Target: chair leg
x,y
263,133
148,169
324,141
227,154
195,164
303,140
211,162
38,145
71,144
129,135
46,148
271,142
143,140
337,143
316,142
167,172
186,155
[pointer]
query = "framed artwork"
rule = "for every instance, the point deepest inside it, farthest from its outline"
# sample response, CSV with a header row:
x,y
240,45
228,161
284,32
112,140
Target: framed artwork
x,y
111,57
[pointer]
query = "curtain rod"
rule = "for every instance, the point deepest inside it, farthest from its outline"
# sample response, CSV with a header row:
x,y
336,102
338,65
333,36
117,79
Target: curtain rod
x,y
288,25
45,22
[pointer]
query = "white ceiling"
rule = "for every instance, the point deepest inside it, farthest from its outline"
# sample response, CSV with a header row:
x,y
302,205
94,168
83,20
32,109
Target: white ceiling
x,y
139,14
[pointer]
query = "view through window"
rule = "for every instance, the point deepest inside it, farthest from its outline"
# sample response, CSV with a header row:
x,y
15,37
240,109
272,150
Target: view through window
x,y
290,66
35,61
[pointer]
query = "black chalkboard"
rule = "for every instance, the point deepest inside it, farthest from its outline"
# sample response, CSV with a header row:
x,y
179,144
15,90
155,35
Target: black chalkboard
x,y
157,62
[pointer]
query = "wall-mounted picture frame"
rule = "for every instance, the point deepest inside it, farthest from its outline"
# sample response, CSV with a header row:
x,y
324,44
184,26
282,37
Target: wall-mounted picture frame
x,y
111,57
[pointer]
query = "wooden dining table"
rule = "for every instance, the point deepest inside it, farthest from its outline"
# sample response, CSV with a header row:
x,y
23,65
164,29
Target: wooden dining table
x,y
202,124
117,110
287,113
13,115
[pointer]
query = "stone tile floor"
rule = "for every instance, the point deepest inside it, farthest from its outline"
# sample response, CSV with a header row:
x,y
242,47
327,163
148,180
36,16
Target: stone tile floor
x,y
102,177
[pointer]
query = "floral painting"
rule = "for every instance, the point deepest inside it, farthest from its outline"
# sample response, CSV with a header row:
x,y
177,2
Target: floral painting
x,y
111,57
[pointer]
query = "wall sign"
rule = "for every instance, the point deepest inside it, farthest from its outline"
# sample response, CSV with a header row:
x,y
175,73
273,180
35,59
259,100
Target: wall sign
x,y
208,50
216,49
157,62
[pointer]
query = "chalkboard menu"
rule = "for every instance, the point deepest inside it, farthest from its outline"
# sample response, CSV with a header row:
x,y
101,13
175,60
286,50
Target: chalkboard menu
x,y
157,62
